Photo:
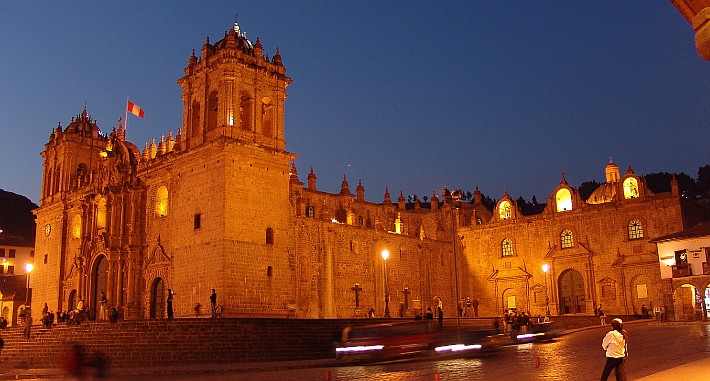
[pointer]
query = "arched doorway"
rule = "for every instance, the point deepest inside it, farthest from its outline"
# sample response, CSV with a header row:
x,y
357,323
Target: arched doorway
x,y
157,299
571,291
687,303
99,283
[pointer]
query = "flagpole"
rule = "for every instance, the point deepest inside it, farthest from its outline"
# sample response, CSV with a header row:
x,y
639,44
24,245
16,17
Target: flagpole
x,y
125,127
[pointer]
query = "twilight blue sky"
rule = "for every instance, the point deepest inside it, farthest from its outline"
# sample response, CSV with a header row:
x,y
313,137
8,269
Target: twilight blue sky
x,y
413,95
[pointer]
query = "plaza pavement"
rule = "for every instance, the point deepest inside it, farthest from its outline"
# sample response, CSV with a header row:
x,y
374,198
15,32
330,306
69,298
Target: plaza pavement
x,y
692,371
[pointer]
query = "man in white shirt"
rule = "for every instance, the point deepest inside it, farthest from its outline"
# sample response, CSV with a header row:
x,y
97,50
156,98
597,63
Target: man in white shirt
x,y
615,344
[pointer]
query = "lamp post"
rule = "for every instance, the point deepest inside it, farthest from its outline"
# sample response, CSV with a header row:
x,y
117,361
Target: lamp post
x,y
456,196
546,269
385,255
28,269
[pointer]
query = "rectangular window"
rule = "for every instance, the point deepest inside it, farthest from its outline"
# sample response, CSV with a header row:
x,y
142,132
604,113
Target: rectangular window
x,y
32,253
198,222
12,253
2,252
45,259
10,270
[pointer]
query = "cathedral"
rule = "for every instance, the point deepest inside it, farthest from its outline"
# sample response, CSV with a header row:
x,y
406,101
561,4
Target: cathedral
x,y
220,205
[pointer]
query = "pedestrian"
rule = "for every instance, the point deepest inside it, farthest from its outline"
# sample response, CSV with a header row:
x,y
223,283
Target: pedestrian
x,y
170,303
663,312
73,361
102,306
615,343
28,323
440,311
474,303
113,317
467,311
213,302
371,312
602,316
45,310
429,313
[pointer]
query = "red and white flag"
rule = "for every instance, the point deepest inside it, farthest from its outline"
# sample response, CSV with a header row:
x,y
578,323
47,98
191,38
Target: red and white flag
x,y
135,109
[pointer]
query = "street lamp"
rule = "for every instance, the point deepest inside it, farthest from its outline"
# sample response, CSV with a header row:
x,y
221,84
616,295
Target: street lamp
x,y
28,269
456,196
385,255
546,269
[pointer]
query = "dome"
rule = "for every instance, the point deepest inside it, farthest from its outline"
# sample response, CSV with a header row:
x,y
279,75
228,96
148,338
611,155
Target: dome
x,y
605,193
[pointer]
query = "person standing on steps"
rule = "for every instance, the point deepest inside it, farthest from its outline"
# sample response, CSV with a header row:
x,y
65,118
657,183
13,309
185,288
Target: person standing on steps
x,y
170,303
213,302
103,306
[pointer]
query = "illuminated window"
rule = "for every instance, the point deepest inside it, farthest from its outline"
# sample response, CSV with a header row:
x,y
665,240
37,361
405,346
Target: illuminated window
x,y
76,226
635,229
564,200
631,188
310,212
101,214
507,247
161,201
504,210
479,221
269,236
566,239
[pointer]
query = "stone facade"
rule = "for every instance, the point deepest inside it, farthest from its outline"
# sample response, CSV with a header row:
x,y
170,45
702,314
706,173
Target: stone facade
x,y
220,206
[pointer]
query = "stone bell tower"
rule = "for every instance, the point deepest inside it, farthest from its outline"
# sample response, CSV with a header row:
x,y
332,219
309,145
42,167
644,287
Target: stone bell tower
x,y
234,90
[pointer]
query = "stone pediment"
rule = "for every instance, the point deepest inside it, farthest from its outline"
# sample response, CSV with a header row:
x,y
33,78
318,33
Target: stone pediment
x,y
636,259
517,273
158,257
578,250
606,279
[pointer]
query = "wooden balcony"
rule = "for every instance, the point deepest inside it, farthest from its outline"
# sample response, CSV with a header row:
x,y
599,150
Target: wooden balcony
x,y
682,271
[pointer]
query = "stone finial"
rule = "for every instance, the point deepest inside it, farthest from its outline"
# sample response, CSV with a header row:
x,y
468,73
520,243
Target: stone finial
x,y
344,188
401,201
387,200
360,191
312,180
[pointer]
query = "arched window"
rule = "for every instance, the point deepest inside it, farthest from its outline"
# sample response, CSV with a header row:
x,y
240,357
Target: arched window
x,y
566,239
245,112
310,212
507,247
564,200
266,117
269,236
212,108
359,220
161,201
269,271
76,226
195,126
635,229
504,210
631,188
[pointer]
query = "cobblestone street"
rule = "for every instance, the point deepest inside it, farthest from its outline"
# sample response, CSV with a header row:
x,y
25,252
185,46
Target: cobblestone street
x,y
653,348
